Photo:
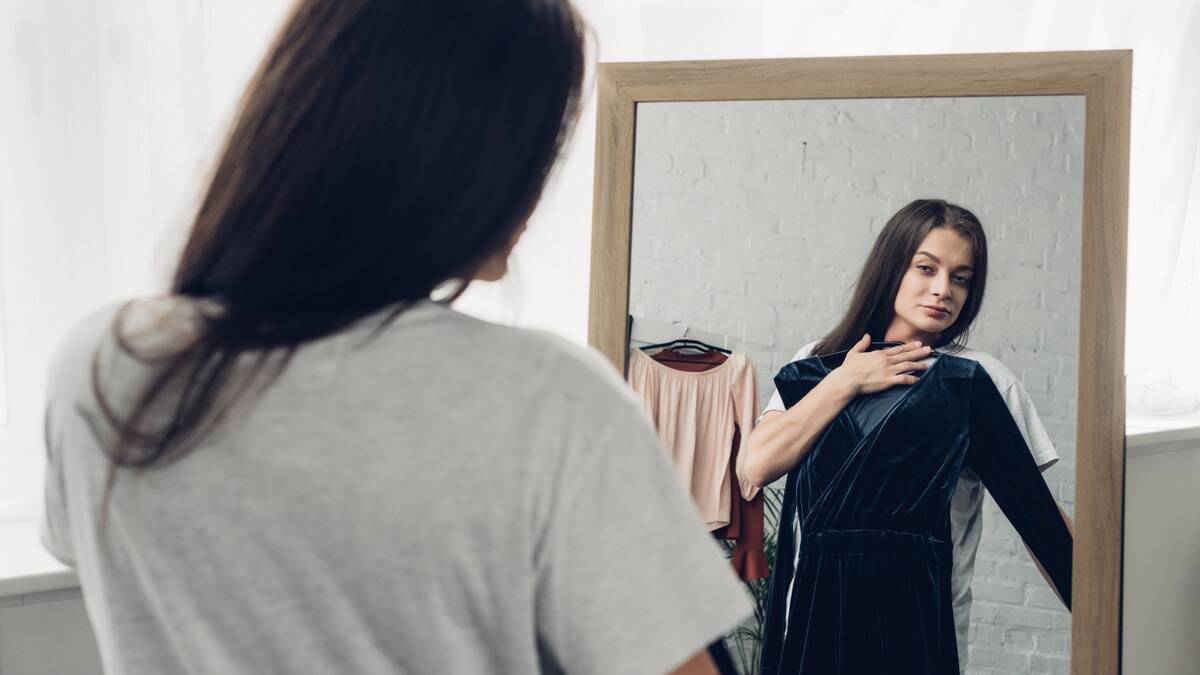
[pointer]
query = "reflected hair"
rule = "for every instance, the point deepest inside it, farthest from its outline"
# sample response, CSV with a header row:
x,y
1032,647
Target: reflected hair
x,y
872,305
382,149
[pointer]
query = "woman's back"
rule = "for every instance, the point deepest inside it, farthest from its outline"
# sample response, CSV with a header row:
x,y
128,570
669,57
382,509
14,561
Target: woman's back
x,y
439,497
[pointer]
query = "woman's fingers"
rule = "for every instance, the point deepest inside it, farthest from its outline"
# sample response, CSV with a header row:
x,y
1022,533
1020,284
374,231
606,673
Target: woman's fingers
x,y
908,366
862,344
907,346
909,351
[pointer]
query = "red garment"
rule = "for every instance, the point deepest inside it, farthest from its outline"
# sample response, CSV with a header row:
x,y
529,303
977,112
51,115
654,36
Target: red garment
x,y
745,526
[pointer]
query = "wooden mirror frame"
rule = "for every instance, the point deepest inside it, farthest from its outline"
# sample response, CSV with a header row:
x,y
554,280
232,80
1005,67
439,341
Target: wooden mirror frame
x,y
1103,78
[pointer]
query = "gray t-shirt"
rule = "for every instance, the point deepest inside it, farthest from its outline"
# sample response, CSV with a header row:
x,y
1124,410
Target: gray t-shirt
x,y
451,496
966,506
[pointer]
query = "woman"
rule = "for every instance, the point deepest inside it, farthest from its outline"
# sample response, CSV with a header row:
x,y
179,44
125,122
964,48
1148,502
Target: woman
x,y
921,286
297,462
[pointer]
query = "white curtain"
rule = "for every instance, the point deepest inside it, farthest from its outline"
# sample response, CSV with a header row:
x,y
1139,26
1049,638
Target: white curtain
x,y
1163,311
113,110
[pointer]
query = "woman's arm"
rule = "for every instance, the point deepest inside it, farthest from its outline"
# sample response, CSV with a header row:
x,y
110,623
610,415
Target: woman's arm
x,y
782,439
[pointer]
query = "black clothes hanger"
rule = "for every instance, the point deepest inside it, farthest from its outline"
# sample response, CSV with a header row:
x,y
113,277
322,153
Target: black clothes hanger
x,y
683,343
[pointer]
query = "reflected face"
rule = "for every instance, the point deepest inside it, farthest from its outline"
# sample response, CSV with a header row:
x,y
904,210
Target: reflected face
x,y
934,287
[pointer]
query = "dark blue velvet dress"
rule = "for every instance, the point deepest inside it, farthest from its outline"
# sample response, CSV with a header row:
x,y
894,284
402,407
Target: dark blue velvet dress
x,y
871,592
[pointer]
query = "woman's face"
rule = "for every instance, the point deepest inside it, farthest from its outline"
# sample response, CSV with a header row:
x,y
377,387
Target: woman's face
x,y
934,287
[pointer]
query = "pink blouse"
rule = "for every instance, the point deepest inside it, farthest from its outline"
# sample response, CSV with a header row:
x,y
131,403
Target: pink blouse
x,y
695,414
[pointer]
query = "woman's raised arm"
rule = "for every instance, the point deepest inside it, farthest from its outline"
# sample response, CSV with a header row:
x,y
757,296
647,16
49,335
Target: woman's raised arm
x,y
783,438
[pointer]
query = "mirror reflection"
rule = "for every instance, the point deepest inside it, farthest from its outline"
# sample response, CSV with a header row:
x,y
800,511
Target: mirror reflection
x,y
889,505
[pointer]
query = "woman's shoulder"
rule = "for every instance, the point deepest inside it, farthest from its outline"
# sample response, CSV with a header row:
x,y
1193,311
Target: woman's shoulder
x,y
581,369
1001,375
107,336
805,351
546,363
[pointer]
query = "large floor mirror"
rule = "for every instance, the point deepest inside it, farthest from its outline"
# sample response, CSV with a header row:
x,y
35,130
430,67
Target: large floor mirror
x,y
737,205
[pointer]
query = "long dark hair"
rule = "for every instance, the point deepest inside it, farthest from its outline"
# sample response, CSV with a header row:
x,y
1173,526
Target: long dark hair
x,y
383,148
872,306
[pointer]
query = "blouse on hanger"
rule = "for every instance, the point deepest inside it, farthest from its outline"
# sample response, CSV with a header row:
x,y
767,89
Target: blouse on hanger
x,y
745,529
695,414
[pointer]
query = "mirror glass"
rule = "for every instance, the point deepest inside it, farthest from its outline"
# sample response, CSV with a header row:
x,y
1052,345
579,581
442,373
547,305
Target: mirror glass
x,y
752,222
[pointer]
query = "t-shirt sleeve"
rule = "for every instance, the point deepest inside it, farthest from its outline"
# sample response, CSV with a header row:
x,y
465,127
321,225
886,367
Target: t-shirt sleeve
x,y
53,524
1030,425
774,404
68,374
628,579
776,401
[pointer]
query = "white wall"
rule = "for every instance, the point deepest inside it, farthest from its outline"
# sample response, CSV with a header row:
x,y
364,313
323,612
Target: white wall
x,y
1162,561
751,219
47,634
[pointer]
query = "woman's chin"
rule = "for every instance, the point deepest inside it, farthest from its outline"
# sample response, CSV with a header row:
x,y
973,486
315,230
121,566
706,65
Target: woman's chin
x,y
931,325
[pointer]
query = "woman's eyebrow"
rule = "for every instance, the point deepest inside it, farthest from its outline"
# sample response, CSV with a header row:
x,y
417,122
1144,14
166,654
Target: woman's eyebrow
x,y
939,261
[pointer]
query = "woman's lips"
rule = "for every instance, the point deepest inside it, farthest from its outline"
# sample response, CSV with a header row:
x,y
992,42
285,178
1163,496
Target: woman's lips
x,y
935,311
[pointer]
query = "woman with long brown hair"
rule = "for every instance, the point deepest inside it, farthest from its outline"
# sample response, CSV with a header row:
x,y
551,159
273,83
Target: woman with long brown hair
x,y
920,288
297,461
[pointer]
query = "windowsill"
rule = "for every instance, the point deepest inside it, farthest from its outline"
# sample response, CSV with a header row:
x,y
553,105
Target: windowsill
x,y
28,571
1166,433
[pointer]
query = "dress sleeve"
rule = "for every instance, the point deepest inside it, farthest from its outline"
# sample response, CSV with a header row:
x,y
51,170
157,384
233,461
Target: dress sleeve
x,y
745,405
999,455
628,580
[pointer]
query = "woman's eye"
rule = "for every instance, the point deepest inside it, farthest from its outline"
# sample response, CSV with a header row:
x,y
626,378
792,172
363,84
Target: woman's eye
x,y
925,268
962,280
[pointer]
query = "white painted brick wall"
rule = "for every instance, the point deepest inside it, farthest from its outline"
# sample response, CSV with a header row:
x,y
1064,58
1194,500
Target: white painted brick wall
x,y
752,219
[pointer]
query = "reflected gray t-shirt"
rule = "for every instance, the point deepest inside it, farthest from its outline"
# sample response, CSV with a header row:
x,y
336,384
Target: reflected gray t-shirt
x,y
449,496
966,506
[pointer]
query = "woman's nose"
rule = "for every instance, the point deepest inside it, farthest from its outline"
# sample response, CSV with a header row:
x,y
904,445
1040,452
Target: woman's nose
x,y
941,288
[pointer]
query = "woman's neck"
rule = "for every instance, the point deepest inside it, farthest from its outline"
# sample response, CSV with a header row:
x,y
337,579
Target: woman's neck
x,y
908,334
